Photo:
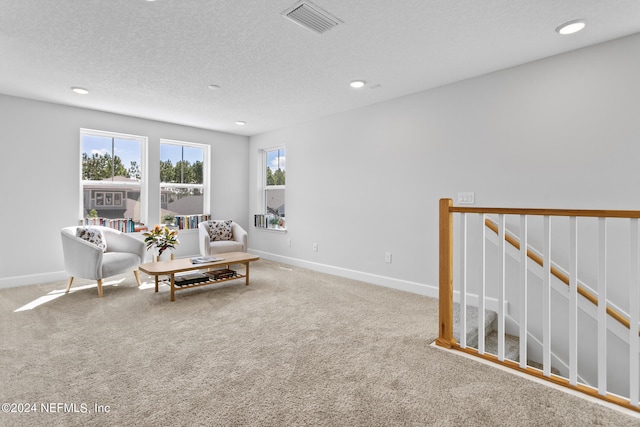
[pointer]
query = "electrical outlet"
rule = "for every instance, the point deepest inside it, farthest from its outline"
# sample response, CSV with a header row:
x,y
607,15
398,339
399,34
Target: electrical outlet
x,y
387,257
315,247
289,243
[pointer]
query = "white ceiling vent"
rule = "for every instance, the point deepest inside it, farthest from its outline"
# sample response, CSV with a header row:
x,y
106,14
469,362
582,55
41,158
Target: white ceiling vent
x,y
312,17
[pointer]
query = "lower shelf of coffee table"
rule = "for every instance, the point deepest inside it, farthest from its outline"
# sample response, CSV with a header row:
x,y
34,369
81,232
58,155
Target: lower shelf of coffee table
x,y
167,281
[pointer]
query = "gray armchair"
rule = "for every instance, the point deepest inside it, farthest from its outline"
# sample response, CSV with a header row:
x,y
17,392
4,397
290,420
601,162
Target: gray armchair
x,y
237,243
88,261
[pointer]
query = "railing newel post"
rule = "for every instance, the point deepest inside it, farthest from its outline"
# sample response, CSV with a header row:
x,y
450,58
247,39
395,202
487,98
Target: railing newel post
x,y
445,338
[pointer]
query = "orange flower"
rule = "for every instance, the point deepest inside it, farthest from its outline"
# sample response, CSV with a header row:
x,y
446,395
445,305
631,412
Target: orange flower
x,y
161,238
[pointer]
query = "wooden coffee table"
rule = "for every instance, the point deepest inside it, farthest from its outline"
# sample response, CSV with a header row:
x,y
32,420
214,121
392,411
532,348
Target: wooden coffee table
x,y
171,267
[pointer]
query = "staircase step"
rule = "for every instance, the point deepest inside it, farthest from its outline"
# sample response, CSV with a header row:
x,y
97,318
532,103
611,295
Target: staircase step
x,y
539,366
511,350
511,346
472,323
512,343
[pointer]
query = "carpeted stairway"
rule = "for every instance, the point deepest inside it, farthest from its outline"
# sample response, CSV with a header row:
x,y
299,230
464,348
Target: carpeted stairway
x,y
511,349
511,342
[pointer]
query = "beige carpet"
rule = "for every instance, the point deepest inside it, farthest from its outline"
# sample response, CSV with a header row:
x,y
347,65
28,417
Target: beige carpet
x,y
293,348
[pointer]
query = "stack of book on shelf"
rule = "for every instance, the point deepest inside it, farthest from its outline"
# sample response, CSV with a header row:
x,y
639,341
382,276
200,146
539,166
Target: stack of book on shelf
x,y
125,225
188,222
190,279
223,273
261,220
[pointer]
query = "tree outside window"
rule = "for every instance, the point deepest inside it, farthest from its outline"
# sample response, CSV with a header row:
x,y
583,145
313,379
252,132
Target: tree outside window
x,y
275,180
111,174
182,176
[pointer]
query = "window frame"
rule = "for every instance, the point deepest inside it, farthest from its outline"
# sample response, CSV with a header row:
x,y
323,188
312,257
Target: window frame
x,y
263,180
144,143
206,175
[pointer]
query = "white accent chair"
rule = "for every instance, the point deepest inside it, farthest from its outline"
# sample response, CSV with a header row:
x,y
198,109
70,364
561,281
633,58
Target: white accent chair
x,y
209,247
87,261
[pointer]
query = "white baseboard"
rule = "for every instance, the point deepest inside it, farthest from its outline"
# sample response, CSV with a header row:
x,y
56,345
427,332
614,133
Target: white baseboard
x,y
389,282
32,279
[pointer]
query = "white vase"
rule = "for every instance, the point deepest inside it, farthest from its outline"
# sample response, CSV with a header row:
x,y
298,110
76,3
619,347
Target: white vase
x,y
167,255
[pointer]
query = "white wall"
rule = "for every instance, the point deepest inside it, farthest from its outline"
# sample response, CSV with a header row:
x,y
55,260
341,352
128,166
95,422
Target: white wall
x,y
40,172
560,133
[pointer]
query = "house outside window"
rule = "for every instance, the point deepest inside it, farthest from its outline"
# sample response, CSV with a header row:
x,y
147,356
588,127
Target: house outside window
x,y
184,178
111,175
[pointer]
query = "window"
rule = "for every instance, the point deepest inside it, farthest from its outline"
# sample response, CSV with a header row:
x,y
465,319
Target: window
x,y
111,175
274,185
184,178
108,198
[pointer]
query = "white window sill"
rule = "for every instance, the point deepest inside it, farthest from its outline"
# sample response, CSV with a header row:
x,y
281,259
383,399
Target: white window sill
x,y
185,230
276,230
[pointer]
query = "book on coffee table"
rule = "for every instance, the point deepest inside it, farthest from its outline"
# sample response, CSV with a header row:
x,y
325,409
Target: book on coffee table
x,y
223,273
190,279
204,259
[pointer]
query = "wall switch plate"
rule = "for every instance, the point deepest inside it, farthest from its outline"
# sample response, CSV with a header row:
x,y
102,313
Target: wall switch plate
x,y
289,243
468,198
315,247
387,257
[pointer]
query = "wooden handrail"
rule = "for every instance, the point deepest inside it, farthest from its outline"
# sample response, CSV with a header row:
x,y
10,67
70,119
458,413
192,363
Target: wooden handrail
x,y
549,212
560,275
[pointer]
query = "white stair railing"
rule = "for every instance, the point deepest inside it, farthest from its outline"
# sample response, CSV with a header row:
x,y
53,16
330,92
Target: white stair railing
x,y
548,301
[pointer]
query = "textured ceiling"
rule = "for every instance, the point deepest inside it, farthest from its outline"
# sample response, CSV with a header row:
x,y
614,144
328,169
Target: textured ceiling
x,y
156,59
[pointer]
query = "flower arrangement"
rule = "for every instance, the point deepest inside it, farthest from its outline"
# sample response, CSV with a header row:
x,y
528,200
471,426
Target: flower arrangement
x,y
161,238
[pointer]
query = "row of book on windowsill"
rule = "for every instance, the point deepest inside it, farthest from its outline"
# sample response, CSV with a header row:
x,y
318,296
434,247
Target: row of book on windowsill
x,y
125,225
268,221
128,225
188,222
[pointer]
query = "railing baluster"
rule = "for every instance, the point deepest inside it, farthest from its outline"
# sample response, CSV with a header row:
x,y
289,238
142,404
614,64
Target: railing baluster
x,y
573,301
501,286
634,308
463,279
602,306
524,268
483,284
546,299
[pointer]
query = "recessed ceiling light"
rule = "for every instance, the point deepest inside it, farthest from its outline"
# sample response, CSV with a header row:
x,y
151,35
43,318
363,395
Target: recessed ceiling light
x,y
571,27
241,123
357,84
80,90
214,87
